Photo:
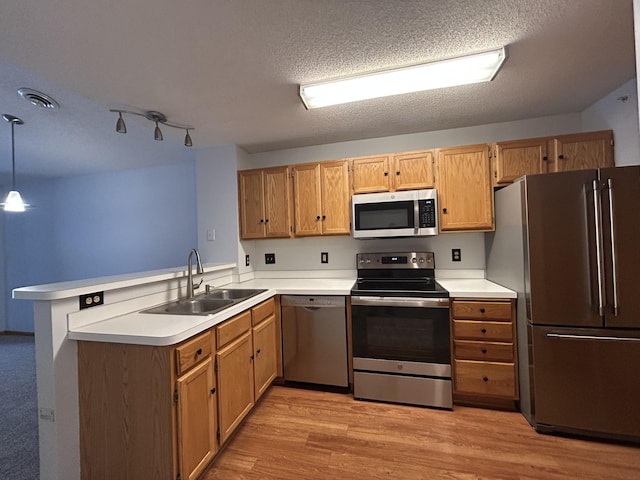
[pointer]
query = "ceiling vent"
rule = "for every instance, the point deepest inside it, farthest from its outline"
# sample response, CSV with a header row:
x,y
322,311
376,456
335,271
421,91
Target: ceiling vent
x,y
38,99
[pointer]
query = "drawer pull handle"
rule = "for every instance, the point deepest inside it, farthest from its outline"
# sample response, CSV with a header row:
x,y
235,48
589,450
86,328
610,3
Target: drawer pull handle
x,y
484,350
199,351
483,330
482,310
213,390
485,379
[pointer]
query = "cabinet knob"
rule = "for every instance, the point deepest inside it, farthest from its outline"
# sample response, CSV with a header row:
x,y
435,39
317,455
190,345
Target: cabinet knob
x,y
324,217
258,352
485,379
560,156
482,310
484,350
444,210
545,158
483,330
213,390
251,357
318,217
386,174
199,351
398,172
262,220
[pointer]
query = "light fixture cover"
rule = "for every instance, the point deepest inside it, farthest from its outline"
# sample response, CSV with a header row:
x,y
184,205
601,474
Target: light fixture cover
x,y
157,133
474,68
14,202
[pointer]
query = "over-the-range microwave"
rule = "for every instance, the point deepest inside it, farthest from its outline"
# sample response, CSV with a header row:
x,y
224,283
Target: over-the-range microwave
x,y
395,214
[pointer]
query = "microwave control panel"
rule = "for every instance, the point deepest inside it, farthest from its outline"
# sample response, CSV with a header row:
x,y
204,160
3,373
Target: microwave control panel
x,y
427,213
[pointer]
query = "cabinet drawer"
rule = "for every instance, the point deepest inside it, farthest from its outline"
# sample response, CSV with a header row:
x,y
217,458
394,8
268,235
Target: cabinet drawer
x,y
483,351
474,330
191,352
262,311
233,328
482,310
485,378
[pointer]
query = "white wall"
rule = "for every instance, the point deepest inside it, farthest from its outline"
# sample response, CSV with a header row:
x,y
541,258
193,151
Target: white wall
x,y
612,112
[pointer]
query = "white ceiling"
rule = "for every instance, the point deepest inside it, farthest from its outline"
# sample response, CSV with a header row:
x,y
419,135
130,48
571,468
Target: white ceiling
x,y
232,68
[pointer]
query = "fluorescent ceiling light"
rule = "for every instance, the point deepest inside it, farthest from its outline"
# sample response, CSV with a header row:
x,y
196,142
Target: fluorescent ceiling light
x,y
479,67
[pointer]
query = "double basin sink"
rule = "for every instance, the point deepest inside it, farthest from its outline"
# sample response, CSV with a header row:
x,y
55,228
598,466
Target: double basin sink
x,y
206,303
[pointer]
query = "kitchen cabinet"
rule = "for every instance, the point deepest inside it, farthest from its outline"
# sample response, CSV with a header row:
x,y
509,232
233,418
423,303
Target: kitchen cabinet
x,y
582,151
399,171
145,411
511,160
264,203
484,352
246,363
465,195
321,198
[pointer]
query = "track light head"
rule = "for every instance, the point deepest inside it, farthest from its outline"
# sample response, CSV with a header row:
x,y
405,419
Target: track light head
x,y
157,133
120,126
187,140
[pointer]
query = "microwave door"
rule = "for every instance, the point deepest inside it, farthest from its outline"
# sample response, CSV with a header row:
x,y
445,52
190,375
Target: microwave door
x,y
385,219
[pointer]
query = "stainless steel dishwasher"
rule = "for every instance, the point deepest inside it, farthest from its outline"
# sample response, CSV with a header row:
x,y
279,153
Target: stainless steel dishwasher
x,y
314,339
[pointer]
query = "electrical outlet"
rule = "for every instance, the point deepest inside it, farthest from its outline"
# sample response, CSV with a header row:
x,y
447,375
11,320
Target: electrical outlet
x,y
269,258
324,257
456,255
91,300
211,234
247,262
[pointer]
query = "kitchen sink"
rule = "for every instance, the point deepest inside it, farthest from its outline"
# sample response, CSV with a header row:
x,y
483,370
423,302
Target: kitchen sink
x,y
206,303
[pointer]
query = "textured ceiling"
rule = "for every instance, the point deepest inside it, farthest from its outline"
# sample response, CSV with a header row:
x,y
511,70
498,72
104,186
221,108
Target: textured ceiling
x,y
231,68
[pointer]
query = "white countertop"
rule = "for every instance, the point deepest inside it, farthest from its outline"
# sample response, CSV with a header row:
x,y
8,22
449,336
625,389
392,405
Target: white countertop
x,y
475,288
159,329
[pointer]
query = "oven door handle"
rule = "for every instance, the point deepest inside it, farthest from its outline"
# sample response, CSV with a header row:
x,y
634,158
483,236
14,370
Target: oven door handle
x,y
400,302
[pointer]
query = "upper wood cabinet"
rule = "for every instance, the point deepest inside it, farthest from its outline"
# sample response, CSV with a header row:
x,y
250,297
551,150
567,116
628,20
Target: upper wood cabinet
x,y
321,197
582,151
511,160
465,199
400,171
264,201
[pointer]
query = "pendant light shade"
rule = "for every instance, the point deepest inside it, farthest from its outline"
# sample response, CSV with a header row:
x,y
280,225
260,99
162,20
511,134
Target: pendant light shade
x,y
13,202
120,126
187,140
157,133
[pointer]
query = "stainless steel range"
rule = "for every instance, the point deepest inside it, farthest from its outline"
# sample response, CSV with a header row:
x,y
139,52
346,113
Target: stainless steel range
x,y
401,342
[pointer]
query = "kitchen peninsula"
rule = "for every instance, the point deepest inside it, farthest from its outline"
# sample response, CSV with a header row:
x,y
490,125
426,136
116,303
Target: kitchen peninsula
x,y
60,324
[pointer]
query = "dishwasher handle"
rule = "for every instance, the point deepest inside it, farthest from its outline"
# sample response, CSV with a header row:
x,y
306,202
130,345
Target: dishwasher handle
x,y
313,302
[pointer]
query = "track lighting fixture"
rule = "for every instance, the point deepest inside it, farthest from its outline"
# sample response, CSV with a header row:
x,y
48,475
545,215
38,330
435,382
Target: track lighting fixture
x,y
13,202
157,118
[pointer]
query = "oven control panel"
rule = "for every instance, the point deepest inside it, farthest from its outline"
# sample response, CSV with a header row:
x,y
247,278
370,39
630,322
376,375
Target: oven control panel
x,y
395,260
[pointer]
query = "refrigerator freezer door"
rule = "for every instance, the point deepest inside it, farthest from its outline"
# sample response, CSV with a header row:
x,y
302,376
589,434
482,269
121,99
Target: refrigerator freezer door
x,y
561,281
585,381
621,197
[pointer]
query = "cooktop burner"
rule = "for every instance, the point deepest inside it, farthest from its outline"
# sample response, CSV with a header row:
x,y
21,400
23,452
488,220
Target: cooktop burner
x,y
397,275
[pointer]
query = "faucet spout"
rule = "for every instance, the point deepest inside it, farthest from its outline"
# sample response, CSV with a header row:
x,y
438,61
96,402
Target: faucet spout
x,y
199,270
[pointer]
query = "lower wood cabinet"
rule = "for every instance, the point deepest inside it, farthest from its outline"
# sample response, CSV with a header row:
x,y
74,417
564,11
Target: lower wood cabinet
x,y
484,352
161,413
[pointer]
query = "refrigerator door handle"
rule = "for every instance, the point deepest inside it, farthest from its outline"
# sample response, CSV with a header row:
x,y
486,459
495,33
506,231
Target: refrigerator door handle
x,y
597,210
567,336
614,259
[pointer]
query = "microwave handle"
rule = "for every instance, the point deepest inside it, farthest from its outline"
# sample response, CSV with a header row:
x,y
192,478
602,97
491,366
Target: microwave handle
x,y
416,216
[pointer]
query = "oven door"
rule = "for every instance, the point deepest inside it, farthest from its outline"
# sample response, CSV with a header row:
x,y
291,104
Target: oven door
x,y
413,330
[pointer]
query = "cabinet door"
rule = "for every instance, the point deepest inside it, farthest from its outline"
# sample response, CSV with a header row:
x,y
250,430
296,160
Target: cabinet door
x,y
235,384
413,170
371,174
464,188
518,158
276,199
583,151
335,198
307,200
197,420
265,366
252,214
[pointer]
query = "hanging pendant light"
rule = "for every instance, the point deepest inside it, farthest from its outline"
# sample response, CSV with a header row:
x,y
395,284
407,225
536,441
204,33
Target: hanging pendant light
x,y
13,202
187,140
120,126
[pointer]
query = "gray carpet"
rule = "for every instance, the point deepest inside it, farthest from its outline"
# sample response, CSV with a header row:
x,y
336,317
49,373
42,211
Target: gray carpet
x,y
18,409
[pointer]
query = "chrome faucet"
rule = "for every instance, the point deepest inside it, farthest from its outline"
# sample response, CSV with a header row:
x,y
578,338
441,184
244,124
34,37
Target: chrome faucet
x,y
199,270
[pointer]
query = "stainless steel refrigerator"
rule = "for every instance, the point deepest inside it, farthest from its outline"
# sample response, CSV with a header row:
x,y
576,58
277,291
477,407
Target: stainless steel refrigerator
x,y
569,244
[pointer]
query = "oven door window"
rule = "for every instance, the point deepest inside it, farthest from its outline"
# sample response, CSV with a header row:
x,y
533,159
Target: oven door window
x,y
401,333
384,215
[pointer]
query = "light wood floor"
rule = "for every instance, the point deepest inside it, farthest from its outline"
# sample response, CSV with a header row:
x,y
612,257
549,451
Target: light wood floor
x,y
301,434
